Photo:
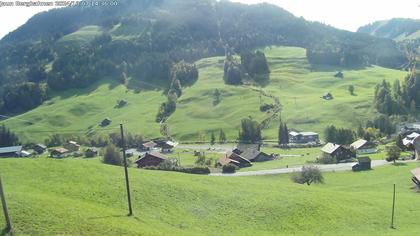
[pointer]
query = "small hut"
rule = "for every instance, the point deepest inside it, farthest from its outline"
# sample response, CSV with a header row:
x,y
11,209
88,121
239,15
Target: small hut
x,y
105,122
364,163
327,96
40,148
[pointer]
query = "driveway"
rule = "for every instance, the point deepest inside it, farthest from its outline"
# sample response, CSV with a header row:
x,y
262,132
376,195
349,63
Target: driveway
x,y
323,168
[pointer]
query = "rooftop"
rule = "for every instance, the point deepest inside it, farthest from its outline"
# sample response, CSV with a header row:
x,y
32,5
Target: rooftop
x,y
330,148
358,144
10,149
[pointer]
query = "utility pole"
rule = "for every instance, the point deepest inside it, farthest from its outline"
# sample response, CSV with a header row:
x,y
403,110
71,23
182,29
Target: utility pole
x,y
5,211
127,183
393,209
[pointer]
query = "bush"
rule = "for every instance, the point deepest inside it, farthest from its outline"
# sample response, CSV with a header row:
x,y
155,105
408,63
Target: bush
x,y
201,170
229,168
265,107
112,156
308,175
326,159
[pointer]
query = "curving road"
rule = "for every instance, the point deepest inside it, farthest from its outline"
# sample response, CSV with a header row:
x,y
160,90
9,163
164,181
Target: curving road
x,y
323,168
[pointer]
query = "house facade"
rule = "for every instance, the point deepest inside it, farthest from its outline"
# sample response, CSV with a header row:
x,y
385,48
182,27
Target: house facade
x,y
253,155
148,146
303,137
59,153
364,163
40,148
413,141
168,146
150,159
72,146
338,152
233,158
362,146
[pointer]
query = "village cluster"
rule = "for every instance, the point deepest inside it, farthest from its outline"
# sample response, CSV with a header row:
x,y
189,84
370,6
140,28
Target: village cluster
x,y
154,152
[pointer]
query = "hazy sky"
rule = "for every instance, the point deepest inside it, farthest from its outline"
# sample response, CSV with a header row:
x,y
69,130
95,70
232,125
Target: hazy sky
x,y
344,14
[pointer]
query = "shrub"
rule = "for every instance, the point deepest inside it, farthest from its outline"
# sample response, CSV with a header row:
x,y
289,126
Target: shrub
x,y
265,107
168,164
308,175
326,159
112,156
201,170
393,153
229,168
121,103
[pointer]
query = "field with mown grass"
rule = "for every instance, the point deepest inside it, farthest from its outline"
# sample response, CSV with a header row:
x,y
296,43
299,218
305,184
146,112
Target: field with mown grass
x,y
298,85
76,196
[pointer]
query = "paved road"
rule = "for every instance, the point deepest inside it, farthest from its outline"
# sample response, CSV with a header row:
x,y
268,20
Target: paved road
x,y
207,147
323,168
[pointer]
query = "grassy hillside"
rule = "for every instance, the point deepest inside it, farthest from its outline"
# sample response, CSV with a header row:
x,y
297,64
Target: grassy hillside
x,y
298,86
83,36
78,196
79,112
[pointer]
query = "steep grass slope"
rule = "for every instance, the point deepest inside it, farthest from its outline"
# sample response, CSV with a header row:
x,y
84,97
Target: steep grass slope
x,y
79,112
84,197
298,86
293,80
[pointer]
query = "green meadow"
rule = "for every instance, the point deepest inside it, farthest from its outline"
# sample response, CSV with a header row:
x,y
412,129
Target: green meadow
x,y
298,85
78,196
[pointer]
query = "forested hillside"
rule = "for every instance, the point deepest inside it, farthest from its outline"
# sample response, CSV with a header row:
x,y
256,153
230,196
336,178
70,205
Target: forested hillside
x,y
137,43
397,28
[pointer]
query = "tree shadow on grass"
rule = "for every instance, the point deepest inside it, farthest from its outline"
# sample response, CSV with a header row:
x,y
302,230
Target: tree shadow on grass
x,y
399,164
5,231
111,216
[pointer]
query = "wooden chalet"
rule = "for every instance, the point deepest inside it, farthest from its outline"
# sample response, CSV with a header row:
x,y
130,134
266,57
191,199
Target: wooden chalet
x,y
364,163
148,146
91,152
13,151
59,153
253,155
338,152
303,137
150,159
168,146
40,148
72,146
413,141
362,146
233,158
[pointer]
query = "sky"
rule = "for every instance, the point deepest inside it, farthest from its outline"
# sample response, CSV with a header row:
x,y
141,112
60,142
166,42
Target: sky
x,y
343,14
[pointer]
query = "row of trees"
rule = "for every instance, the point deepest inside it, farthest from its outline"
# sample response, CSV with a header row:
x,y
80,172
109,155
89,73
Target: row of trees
x,y
182,74
283,134
253,65
398,99
339,135
7,137
24,96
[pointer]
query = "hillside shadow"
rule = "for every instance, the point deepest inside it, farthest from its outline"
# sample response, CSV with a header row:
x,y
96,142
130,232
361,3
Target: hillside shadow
x,y
399,164
75,92
107,217
142,86
334,69
262,80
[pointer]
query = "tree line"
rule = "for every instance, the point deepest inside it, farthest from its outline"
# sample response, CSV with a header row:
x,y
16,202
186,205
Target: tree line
x,y
398,99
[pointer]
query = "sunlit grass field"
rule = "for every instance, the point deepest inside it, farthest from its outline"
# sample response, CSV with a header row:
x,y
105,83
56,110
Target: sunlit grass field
x,y
76,196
